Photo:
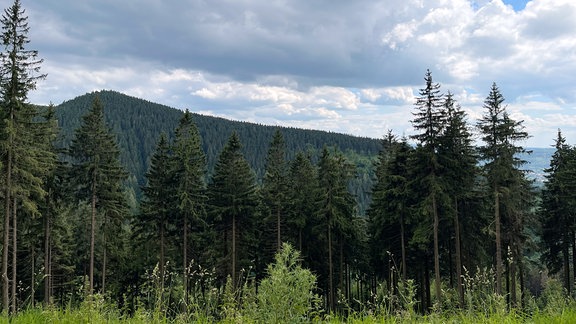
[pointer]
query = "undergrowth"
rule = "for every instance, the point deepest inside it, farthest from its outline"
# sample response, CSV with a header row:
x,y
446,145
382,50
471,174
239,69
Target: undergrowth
x,y
289,295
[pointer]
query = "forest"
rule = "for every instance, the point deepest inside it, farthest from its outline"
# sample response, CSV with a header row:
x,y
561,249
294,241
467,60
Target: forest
x,y
189,218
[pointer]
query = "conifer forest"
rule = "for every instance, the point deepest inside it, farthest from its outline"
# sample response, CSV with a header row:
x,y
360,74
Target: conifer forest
x,y
119,209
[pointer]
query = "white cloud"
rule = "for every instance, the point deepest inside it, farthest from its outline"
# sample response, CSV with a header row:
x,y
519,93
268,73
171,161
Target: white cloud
x,y
351,65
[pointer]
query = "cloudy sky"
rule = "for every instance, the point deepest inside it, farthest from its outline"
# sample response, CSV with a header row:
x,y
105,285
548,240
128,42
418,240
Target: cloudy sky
x,y
346,66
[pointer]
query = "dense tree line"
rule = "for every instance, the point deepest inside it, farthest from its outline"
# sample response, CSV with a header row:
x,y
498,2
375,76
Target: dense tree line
x,y
441,208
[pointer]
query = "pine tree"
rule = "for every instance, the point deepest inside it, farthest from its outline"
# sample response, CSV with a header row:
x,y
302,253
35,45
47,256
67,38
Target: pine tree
x,y
557,209
458,157
500,153
336,206
391,200
188,171
274,186
429,120
233,199
156,204
303,185
96,173
23,163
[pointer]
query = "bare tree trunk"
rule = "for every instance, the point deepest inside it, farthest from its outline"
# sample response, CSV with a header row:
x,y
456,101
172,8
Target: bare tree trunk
x,y
498,242
162,262
7,202
185,260
566,259
403,246
458,256
341,265
92,239
32,277
104,261
512,271
330,272
278,230
436,253
47,274
573,241
234,251
14,255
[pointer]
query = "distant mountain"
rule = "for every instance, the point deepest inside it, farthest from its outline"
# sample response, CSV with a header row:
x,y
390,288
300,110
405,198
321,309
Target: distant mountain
x,y
138,124
538,160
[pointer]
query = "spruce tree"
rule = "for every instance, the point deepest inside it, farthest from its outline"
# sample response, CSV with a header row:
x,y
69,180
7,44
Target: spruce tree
x,y
336,206
303,184
458,157
188,171
500,154
24,160
274,186
429,120
96,173
155,210
391,201
233,199
557,209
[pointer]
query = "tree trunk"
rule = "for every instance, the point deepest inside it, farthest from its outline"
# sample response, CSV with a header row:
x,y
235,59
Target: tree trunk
x,y
330,271
105,259
92,240
403,246
47,274
234,251
436,253
498,241
185,260
521,278
566,259
162,262
512,271
573,240
341,266
278,230
14,255
458,257
32,277
300,240
7,202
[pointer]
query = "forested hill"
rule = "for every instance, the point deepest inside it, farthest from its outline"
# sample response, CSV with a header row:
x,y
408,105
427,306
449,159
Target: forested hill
x,y
138,124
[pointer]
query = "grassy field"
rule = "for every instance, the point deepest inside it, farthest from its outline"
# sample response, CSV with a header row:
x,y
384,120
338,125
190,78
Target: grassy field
x,y
95,315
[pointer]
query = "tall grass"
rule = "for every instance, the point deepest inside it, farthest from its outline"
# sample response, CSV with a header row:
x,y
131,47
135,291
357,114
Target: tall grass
x,y
287,295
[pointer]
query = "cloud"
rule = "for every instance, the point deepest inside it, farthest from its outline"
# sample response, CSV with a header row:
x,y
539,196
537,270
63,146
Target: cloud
x,y
351,65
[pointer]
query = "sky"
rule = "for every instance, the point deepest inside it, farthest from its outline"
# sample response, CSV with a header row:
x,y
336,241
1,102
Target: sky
x,y
344,66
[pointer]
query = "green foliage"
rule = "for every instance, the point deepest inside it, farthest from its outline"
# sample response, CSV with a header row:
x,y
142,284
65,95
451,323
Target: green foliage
x,y
286,295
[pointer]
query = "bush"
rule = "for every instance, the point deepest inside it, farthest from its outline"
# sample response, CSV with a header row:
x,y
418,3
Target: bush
x,y
286,295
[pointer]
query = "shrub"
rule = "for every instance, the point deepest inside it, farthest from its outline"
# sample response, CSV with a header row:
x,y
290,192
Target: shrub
x,y
286,295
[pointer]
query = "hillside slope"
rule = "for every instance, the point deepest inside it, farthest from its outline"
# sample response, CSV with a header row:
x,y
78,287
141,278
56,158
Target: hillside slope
x,y
138,124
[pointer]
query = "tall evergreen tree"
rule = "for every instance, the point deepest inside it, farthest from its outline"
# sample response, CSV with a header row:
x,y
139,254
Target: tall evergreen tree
x,y
458,156
303,184
429,120
557,209
233,199
22,165
275,186
336,206
155,209
188,171
501,162
391,201
96,172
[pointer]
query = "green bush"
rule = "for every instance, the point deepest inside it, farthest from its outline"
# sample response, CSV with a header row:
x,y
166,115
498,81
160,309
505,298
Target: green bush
x,y
286,295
